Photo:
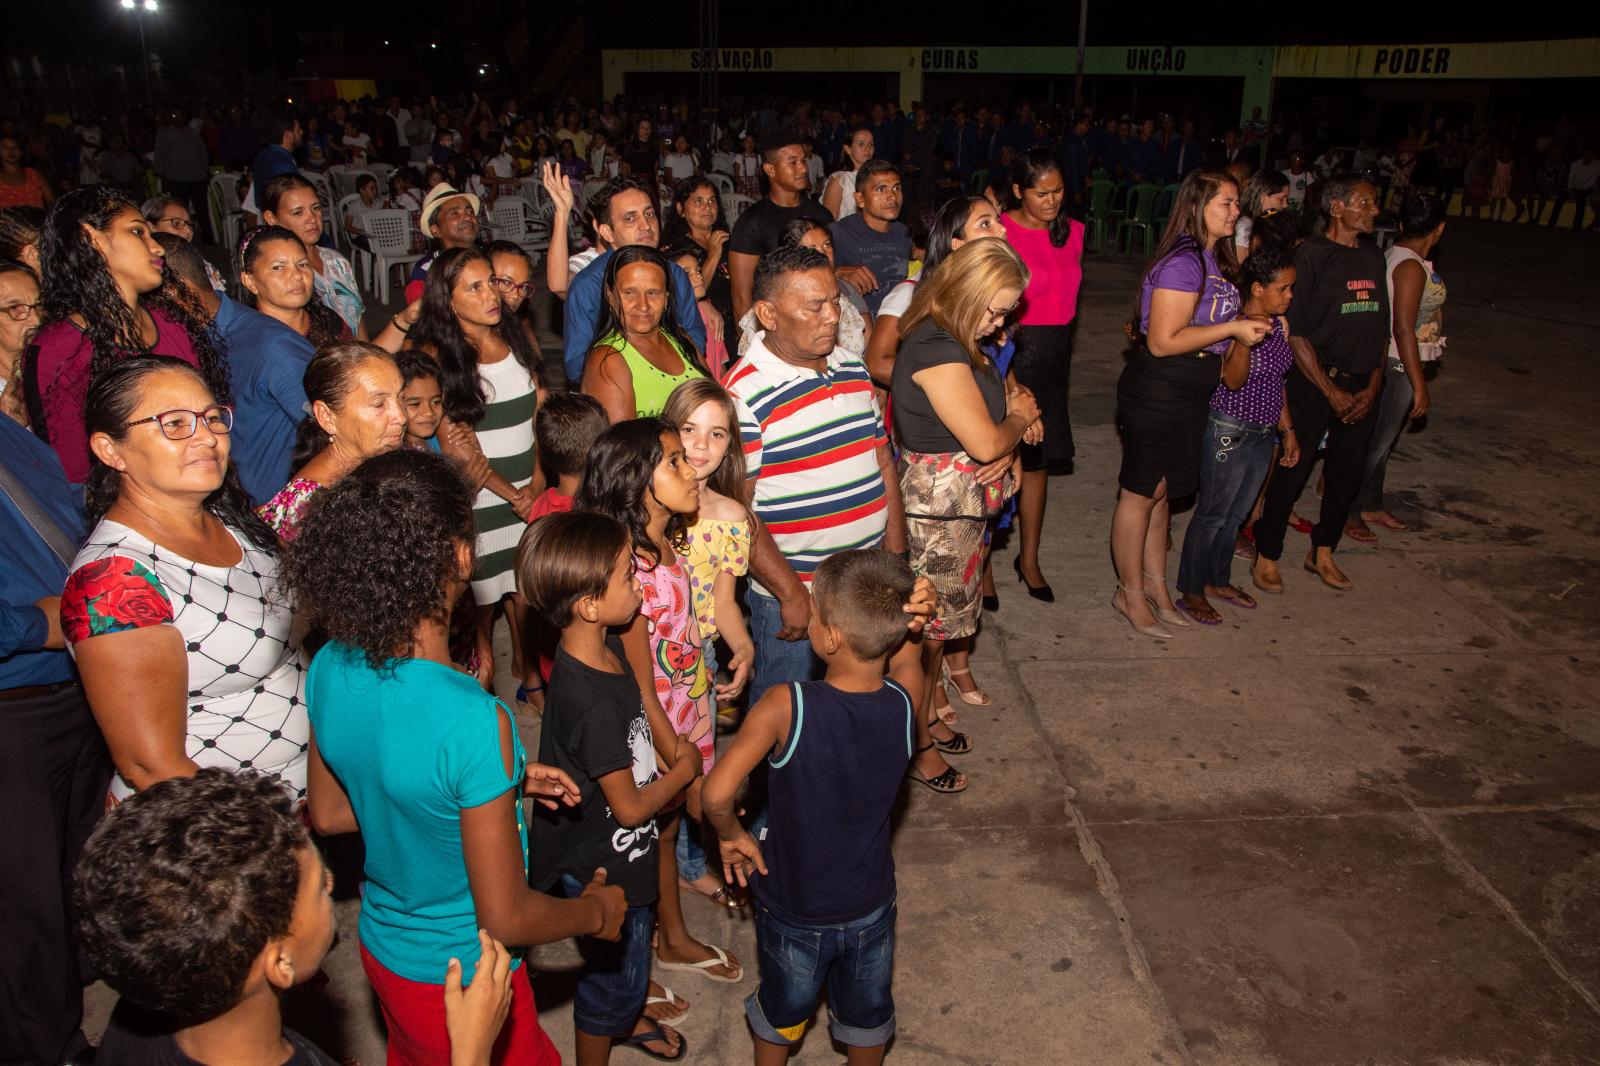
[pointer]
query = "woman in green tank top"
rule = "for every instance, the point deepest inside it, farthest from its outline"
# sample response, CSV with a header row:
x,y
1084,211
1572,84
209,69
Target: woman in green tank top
x,y
641,354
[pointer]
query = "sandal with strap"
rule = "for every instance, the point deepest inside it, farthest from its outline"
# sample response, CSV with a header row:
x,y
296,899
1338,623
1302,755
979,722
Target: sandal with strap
x,y
959,744
656,1035
976,698
670,999
948,782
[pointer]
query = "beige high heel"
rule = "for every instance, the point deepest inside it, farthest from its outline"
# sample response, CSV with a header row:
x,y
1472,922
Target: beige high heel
x,y
1171,618
976,698
1154,632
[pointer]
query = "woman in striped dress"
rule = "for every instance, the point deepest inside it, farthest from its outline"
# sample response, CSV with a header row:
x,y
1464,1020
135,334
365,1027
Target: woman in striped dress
x,y
488,372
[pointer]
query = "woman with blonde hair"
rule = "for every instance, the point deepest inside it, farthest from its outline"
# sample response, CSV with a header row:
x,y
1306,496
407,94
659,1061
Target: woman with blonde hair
x,y
959,424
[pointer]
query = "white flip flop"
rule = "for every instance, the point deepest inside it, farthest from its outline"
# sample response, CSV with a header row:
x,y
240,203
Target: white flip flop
x,y
670,999
703,968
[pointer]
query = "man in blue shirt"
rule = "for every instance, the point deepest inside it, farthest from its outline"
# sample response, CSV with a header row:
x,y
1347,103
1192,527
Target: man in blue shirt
x,y
624,213
54,768
960,141
872,236
284,136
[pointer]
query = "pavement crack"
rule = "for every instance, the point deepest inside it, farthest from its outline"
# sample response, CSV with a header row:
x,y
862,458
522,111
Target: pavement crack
x,y
1105,877
1476,878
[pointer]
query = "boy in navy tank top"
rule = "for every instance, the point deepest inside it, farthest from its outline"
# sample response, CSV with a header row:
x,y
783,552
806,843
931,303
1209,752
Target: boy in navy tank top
x,y
837,751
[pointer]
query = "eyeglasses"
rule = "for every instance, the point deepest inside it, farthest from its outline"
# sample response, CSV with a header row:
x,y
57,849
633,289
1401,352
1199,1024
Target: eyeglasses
x,y
176,223
507,286
179,424
18,312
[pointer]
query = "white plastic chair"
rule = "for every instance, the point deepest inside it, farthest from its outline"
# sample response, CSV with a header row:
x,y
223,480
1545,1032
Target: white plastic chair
x,y
533,191
734,205
222,202
345,183
341,213
388,231
384,172
590,187
723,183
513,219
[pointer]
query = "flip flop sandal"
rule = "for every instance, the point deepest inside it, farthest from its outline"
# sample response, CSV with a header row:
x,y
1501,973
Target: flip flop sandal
x,y
959,744
722,897
1362,536
657,1036
703,967
1190,613
1237,598
671,1000
1300,525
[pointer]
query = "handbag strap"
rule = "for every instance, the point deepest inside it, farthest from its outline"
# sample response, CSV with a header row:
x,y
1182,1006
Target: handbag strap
x,y
45,527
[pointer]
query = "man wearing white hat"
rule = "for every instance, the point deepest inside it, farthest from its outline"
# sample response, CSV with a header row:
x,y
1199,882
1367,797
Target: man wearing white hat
x,y
449,220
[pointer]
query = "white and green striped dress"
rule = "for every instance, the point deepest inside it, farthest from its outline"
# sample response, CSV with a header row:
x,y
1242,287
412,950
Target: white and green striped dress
x,y
506,435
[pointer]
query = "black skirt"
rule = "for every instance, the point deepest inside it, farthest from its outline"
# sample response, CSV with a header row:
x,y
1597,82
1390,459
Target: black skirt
x,y
1161,410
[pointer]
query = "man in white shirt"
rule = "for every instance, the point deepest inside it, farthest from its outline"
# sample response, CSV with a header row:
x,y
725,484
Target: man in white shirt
x,y
1583,177
396,141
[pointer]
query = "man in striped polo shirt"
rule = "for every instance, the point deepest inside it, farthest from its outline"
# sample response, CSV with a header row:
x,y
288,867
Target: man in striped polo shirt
x,y
821,475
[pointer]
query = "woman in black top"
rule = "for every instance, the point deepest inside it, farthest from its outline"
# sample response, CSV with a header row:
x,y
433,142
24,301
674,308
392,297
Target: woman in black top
x,y
641,155
959,425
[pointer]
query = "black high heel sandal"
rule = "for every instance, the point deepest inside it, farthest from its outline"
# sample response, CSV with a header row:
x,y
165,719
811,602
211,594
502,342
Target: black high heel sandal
x,y
1043,593
948,782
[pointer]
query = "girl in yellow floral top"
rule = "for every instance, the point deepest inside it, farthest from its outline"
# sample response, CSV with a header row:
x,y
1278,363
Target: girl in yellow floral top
x,y
718,553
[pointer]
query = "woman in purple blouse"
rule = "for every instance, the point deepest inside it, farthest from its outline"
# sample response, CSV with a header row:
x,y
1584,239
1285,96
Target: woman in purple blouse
x,y
1248,414
1188,317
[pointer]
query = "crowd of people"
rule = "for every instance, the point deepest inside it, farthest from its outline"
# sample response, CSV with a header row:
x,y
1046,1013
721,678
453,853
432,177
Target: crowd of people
x,y
258,536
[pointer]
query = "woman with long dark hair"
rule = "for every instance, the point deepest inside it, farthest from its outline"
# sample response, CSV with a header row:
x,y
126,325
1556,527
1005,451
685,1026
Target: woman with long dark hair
x,y
839,194
489,375
640,353
172,610
1265,194
19,235
697,217
1051,245
291,201
1188,314
106,297
272,274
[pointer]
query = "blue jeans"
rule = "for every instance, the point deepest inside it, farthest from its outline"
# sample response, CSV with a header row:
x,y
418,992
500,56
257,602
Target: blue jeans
x,y
1232,468
1394,410
778,662
615,976
854,960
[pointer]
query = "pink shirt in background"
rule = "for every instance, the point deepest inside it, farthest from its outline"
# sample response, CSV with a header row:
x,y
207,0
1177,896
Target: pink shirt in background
x,y
716,347
63,383
1052,296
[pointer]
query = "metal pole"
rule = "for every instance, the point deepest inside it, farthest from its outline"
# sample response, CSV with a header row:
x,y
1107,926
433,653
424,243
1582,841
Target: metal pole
x,y
1077,82
144,58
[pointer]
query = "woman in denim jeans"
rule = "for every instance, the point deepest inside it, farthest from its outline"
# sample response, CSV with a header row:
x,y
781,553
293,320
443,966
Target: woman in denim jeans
x,y
1248,414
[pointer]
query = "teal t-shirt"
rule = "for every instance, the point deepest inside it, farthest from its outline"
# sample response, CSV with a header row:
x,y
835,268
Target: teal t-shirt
x,y
412,744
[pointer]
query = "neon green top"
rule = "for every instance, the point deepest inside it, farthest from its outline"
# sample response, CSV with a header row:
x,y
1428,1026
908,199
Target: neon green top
x,y
651,385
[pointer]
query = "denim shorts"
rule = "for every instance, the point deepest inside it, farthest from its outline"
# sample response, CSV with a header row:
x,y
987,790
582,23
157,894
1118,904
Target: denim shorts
x,y
856,963
615,976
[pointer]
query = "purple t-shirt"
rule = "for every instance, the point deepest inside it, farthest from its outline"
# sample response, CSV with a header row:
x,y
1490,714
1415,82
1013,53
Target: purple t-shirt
x,y
1260,398
1182,272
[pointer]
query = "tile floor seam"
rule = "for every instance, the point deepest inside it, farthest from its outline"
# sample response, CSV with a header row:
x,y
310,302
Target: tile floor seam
x,y
1310,816
1475,877
1489,653
1105,877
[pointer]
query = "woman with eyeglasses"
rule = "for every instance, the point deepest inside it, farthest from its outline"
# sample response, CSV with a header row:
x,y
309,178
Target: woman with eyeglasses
x,y
171,608
106,297
958,422
512,278
167,215
19,317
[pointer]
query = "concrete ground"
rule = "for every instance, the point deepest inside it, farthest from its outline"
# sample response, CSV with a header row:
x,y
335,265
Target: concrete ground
x,y
1358,828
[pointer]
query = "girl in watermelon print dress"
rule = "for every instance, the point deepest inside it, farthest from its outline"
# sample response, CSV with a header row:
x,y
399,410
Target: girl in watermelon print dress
x,y
639,474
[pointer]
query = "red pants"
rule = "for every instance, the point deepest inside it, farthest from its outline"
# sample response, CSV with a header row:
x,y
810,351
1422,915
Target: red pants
x,y
414,1013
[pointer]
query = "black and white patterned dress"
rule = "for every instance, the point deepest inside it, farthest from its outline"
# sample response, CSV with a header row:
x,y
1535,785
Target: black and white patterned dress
x,y
246,688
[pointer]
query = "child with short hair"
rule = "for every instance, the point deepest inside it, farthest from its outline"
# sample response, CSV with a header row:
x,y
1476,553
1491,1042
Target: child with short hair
x,y
202,899
576,571
836,750
564,431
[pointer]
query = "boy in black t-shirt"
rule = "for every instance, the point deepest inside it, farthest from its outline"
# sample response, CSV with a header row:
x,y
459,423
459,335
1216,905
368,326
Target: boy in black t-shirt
x,y
576,570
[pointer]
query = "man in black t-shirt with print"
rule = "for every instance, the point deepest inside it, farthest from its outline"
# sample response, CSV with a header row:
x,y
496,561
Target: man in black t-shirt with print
x,y
783,160
1339,329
